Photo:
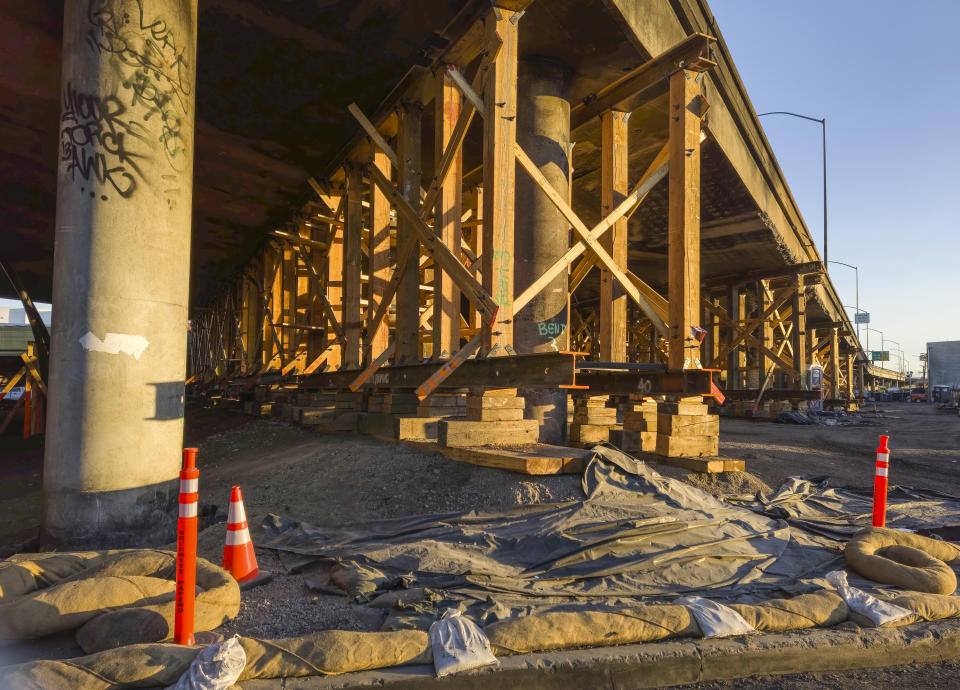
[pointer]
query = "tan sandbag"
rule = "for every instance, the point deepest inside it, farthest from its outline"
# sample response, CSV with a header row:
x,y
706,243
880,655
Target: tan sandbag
x,y
134,666
218,602
152,665
563,629
903,559
928,607
70,604
817,610
25,573
333,651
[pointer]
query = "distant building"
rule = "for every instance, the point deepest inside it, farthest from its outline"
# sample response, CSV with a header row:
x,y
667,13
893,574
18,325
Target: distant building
x,y
17,316
943,365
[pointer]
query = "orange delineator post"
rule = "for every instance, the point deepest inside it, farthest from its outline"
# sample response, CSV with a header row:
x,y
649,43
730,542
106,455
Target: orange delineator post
x,y
880,484
186,549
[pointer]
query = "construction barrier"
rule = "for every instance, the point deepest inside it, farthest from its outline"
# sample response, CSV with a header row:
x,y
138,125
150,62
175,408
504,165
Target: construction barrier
x,y
239,558
880,483
187,548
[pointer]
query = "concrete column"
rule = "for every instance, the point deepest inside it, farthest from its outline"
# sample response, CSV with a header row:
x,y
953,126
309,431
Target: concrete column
x,y
541,232
121,272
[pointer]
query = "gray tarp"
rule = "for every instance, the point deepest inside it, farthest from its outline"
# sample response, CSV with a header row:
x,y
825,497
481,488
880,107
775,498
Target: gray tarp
x,y
810,503
635,534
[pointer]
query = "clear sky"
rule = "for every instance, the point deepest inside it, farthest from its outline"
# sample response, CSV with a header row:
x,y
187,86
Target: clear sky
x,y
881,72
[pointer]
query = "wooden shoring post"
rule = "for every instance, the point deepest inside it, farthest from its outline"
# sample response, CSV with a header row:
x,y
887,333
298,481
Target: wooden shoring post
x,y
287,312
446,294
475,243
335,287
765,328
275,305
379,337
614,186
499,138
835,362
408,179
686,108
711,350
352,265
316,292
799,308
266,287
244,292
848,362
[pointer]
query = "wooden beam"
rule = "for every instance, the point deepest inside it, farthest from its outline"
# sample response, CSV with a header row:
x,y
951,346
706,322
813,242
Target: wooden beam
x,y
374,134
683,256
499,138
614,168
378,338
799,307
334,289
446,293
835,362
475,243
408,179
352,266
750,340
646,82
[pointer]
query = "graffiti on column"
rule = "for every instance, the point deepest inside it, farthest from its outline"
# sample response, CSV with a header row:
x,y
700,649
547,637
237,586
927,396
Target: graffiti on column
x,y
503,267
96,136
151,83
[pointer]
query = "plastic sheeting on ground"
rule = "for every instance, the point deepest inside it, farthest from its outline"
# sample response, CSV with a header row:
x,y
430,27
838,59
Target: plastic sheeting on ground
x,y
811,503
114,597
635,534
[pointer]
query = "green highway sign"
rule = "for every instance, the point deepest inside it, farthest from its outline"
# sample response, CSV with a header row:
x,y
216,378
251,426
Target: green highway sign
x,y
880,356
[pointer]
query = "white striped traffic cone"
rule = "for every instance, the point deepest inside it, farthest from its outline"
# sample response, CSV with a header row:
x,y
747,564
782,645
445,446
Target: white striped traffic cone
x,y
238,556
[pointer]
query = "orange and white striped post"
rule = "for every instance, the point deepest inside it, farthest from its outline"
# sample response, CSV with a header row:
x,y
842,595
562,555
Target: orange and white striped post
x,y
880,484
186,549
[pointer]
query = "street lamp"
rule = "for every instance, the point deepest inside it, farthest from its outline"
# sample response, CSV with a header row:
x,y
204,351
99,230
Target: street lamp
x,y
881,342
823,124
899,351
857,297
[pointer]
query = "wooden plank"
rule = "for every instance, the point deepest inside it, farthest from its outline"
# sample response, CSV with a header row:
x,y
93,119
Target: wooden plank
x,y
475,243
334,289
799,341
408,178
446,293
645,82
707,465
378,337
834,362
683,232
533,460
374,134
352,265
614,168
499,138
12,382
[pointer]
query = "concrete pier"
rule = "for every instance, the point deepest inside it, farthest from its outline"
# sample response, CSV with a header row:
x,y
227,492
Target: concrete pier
x,y
542,233
121,273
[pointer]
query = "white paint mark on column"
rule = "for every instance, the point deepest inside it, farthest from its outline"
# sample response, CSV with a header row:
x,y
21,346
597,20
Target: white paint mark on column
x,y
115,343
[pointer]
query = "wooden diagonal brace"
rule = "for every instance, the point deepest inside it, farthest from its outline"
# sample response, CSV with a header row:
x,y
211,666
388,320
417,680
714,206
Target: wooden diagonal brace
x,y
587,237
12,382
374,134
322,298
441,254
748,339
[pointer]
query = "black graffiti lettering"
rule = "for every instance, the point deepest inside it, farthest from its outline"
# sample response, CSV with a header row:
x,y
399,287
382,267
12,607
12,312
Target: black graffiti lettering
x,y
94,137
153,69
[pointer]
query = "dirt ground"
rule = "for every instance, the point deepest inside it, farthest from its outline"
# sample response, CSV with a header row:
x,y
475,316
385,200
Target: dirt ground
x,y
326,478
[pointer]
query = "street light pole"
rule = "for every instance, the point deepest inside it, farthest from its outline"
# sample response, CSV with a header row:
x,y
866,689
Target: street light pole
x,y
857,296
881,342
823,125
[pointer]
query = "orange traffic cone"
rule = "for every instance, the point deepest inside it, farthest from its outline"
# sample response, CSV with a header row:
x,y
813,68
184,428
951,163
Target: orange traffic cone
x,y
238,556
